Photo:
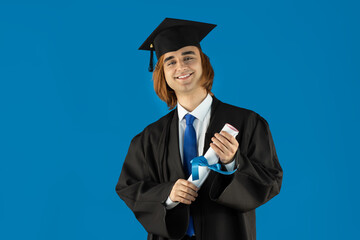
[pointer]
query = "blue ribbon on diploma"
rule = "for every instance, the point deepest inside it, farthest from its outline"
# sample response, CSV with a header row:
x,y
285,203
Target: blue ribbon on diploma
x,y
201,161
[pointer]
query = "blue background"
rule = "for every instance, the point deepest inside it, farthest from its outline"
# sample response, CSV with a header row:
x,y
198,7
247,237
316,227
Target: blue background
x,y
70,73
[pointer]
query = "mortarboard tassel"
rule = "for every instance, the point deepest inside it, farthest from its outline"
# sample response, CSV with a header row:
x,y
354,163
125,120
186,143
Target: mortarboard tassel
x,y
151,64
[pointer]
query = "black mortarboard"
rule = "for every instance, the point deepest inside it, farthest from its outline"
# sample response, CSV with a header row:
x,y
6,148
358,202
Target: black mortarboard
x,y
173,34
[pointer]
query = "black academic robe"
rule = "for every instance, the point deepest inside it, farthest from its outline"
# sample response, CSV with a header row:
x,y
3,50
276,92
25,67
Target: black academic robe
x,y
225,206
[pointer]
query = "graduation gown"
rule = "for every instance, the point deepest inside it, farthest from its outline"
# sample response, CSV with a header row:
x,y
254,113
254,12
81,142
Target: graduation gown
x,y
225,206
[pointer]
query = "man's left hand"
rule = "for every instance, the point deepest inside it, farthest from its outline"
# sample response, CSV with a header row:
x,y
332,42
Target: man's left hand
x,y
225,146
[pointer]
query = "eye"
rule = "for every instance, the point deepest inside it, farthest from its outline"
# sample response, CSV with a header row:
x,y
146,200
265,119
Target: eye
x,y
171,63
187,58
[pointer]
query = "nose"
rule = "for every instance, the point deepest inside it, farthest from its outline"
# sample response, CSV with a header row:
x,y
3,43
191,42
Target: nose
x,y
182,65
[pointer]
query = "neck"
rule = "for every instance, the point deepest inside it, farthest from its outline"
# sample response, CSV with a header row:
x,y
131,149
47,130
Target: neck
x,y
190,102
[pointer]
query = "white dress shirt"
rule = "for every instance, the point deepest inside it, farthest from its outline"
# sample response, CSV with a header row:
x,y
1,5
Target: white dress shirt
x,y
202,115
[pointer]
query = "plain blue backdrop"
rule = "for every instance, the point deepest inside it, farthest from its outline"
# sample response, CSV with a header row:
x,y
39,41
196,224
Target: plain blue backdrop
x,y
70,74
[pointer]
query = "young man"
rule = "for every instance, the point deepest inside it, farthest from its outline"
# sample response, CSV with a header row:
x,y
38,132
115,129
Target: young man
x,y
153,181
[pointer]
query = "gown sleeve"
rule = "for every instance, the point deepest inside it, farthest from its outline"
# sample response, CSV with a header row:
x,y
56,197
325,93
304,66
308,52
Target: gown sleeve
x,y
145,195
258,177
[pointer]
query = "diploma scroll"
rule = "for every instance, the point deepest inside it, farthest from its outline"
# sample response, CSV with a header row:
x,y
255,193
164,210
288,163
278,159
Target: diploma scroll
x,y
212,158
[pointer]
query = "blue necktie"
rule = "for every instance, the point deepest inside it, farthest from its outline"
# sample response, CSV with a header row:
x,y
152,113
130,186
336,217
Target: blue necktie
x,y
190,152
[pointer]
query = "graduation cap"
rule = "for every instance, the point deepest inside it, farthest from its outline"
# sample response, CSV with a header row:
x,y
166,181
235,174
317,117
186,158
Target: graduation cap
x,y
173,34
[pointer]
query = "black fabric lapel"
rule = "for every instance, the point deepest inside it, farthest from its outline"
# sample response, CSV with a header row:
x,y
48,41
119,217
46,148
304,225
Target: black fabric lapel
x,y
215,125
174,159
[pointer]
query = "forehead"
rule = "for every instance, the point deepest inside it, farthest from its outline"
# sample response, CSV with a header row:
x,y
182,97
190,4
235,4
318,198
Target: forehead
x,y
181,51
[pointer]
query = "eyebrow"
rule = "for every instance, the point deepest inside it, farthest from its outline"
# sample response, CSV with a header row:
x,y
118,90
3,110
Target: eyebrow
x,y
184,53
188,52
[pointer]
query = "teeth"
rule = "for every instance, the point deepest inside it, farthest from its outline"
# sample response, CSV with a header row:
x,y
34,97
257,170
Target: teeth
x,y
184,76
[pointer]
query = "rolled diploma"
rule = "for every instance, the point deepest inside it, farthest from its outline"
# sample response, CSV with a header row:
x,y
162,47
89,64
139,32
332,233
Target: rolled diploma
x,y
212,158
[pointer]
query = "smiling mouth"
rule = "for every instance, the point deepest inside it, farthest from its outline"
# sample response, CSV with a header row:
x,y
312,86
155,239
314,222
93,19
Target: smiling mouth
x,y
184,76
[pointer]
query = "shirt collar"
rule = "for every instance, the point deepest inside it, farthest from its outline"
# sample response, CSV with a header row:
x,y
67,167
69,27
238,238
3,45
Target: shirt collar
x,y
199,112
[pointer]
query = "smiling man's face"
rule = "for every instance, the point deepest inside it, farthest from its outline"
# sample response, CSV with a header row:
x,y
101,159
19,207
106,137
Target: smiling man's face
x,y
183,70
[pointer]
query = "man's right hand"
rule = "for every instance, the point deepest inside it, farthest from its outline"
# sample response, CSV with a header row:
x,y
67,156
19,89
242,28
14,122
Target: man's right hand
x,y
183,191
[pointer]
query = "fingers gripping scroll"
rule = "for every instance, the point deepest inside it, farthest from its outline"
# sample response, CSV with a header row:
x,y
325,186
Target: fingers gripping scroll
x,y
183,191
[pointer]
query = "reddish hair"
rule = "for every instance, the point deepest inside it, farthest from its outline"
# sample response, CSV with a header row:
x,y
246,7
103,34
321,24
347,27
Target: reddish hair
x,y
163,90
